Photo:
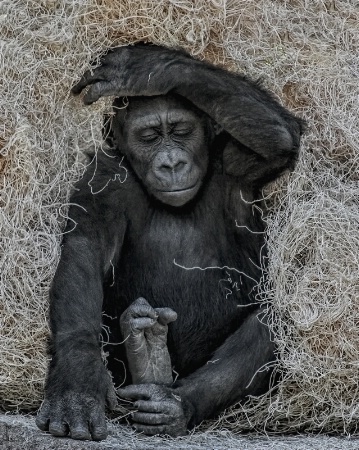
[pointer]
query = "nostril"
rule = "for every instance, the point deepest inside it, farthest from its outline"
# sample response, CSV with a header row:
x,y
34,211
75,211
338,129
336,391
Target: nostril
x,y
175,166
180,165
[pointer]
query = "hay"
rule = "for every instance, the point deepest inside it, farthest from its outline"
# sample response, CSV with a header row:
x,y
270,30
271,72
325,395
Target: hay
x,y
306,53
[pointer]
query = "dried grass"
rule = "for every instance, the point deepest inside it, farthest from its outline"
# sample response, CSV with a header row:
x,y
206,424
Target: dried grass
x,y
305,51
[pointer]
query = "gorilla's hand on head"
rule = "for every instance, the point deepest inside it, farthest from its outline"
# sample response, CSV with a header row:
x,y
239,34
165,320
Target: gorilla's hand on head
x,y
138,70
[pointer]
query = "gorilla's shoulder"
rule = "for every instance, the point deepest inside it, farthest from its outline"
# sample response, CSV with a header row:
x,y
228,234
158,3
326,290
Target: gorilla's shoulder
x,y
107,167
107,179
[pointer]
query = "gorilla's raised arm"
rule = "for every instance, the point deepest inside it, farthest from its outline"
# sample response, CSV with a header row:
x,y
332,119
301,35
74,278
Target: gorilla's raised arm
x,y
239,105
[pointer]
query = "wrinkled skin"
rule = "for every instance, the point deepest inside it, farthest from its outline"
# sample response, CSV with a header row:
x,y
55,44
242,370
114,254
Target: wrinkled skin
x,y
159,409
166,146
145,331
171,252
122,73
79,413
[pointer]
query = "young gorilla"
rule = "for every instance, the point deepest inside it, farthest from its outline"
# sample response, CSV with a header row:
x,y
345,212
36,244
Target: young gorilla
x,y
177,246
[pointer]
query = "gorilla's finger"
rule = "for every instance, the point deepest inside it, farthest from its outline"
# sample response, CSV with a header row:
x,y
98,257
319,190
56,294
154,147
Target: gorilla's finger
x,y
80,431
99,89
151,419
88,78
99,433
43,417
57,428
111,399
149,406
98,427
42,422
141,308
135,392
166,315
78,421
141,323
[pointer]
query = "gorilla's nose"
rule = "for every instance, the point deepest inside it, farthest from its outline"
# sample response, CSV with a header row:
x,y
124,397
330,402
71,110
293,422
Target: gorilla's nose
x,y
171,163
174,166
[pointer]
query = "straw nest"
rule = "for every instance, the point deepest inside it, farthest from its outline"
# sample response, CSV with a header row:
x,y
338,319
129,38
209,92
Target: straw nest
x,y
305,51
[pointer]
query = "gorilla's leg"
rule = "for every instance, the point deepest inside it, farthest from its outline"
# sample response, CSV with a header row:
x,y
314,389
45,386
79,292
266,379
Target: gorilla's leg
x,y
239,368
144,330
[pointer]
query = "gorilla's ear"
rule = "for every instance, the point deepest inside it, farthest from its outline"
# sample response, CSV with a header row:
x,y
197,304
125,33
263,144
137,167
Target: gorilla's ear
x,y
212,128
114,120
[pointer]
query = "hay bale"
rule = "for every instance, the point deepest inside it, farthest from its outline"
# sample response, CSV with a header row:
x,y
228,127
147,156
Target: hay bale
x,y
306,53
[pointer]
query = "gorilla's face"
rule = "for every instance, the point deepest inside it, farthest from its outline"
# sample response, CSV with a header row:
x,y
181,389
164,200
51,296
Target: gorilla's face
x,y
166,144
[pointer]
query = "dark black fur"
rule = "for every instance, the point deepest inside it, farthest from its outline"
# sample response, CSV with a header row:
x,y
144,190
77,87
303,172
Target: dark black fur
x,y
201,259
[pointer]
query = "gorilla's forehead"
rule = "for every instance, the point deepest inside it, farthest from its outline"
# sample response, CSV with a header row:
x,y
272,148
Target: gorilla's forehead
x,y
154,111
157,118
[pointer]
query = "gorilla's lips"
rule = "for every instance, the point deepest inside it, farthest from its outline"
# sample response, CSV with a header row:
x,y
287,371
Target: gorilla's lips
x,y
178,197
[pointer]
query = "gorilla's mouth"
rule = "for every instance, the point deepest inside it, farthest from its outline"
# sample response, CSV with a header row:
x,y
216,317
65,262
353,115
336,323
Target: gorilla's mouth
x,y
179,196
181,189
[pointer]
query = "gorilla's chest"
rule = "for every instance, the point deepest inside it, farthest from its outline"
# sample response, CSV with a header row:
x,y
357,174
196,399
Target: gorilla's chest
x,y
175,259
184,242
